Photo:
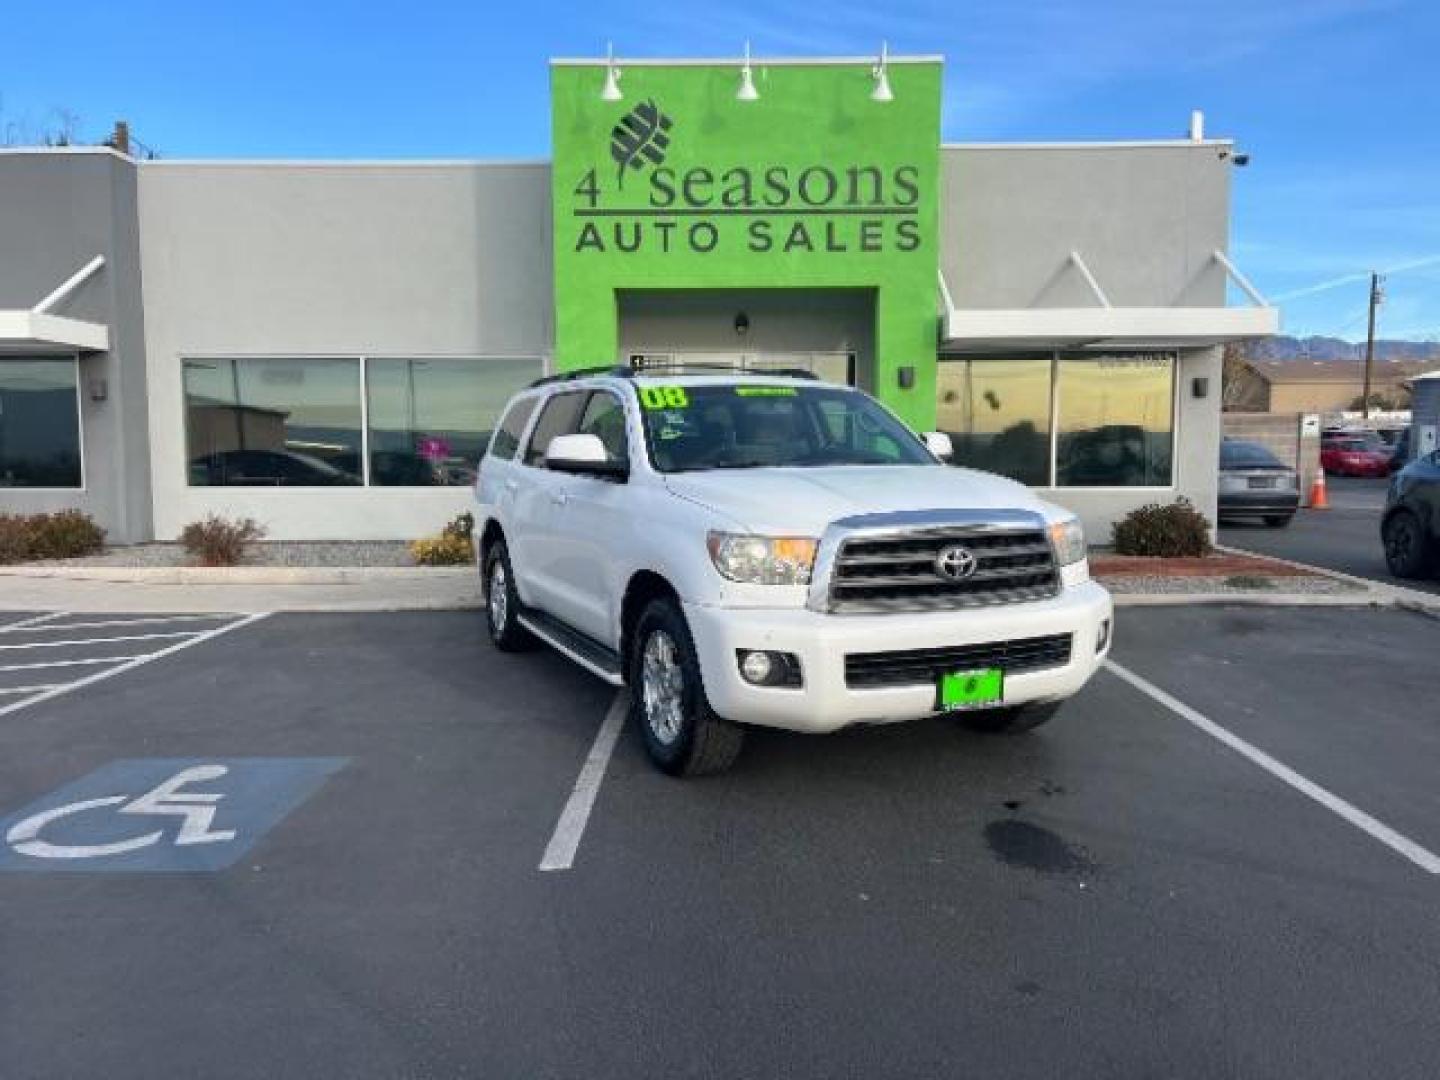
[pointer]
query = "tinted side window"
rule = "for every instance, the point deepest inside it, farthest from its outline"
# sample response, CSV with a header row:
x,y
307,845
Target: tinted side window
x,y
605,418
507,435
560,416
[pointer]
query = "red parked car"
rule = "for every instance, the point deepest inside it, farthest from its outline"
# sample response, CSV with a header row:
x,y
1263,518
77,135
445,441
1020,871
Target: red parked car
x,y
1354,456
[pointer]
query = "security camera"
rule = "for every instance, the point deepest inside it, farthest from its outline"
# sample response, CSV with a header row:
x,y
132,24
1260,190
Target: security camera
x,y
1241,160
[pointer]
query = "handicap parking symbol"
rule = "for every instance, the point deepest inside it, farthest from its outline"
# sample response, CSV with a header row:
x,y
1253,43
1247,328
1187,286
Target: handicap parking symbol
x,y
160,814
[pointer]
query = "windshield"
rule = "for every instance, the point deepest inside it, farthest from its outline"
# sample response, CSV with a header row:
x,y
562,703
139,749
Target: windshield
x,y
729,426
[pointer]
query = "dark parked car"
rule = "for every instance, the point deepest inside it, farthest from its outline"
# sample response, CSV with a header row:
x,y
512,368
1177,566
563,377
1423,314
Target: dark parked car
x,y
1410,526
1255,483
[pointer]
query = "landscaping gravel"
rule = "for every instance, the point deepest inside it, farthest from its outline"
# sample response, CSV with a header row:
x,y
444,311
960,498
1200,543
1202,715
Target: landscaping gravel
x,y
1246,585
274,553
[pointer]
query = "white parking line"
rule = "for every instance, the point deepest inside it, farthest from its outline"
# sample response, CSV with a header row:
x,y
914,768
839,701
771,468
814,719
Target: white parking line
x,y
560,852
100,641
34,620
1403,845
147,620
37,665
28,689
129,664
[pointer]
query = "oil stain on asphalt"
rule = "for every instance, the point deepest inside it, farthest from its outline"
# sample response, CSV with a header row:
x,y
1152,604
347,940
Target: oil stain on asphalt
x,y
1031,847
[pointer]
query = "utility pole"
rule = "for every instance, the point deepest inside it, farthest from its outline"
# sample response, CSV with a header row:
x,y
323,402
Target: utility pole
x,y
1377,297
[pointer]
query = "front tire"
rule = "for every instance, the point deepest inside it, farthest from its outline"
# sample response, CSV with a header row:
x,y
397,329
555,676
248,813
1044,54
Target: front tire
x,y
682,734
1012,721
1406,553
502,602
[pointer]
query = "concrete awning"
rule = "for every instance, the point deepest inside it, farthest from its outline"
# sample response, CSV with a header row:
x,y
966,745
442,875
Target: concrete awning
x,y
1104,325
35,330
32,332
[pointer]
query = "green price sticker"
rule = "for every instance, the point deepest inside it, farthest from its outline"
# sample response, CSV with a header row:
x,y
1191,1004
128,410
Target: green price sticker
x,y
664,397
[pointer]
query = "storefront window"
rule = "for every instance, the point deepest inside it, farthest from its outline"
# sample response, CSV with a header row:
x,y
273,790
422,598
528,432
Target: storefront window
x,y
1115,421
430,420
997,414
273,423
39,424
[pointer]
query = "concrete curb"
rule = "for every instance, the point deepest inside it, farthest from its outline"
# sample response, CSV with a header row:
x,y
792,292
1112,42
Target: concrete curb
x,y
1255,599
1386,595
242,575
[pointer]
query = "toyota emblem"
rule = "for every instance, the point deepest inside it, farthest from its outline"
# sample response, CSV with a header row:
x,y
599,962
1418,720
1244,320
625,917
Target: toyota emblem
x,y
956,563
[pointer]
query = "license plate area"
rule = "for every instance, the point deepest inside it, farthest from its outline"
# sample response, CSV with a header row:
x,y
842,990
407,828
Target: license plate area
x,y
979,688
1262,481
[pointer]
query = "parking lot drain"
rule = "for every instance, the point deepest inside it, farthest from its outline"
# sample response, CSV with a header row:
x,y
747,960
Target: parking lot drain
x,y
1019,843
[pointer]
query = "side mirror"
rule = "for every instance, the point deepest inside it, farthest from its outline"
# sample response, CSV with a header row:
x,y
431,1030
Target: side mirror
x,y
584,455
938,443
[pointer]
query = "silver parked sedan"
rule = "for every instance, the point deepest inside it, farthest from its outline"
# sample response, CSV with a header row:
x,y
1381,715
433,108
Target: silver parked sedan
x,y
1254,483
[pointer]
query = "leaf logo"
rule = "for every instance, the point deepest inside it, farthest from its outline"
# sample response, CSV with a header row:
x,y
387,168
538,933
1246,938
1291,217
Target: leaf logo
x,y
642,135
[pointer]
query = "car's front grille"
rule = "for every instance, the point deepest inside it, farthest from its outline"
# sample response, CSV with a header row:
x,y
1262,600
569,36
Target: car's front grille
x,y
919,667
900,572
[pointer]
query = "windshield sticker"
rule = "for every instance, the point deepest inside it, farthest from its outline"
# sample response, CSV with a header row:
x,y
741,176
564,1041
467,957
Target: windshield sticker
x,y
664,397
765,391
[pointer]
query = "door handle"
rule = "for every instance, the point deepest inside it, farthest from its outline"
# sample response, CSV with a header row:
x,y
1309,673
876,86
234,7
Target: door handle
x,y
559,498
512,486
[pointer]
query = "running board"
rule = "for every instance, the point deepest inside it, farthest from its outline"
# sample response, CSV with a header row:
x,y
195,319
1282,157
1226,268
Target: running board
x,y
583,649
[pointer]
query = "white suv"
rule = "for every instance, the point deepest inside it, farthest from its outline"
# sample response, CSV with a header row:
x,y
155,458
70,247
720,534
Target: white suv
x,y
750,549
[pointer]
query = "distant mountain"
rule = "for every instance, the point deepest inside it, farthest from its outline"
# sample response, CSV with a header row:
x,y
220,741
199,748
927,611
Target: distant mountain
x,y
1327,348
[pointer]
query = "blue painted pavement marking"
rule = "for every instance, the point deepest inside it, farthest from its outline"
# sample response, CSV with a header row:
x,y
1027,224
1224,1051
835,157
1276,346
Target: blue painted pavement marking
x,y
159,814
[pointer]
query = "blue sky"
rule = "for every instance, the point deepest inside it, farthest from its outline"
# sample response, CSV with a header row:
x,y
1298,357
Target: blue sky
x,y
1337,101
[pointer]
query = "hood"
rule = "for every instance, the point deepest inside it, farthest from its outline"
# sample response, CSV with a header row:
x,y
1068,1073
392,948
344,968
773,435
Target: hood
x,y
803,501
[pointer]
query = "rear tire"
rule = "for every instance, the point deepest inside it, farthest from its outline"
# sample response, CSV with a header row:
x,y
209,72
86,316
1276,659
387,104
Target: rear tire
x,y
1406,552
1278,521
1015,720
682,734
502,602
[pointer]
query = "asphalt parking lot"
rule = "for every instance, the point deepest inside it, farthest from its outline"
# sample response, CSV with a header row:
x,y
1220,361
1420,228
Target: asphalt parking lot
x,y
1346,537
349,813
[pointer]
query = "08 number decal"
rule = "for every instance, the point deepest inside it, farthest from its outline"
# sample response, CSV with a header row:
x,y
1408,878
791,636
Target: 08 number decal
x,y
664,397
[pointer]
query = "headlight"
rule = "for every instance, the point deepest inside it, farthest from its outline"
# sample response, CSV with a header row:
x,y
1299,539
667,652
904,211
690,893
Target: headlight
x,y
762,560
1068,540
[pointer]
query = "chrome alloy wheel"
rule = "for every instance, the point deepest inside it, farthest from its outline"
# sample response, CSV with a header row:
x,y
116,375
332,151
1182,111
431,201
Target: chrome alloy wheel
x,y
662,687
499,599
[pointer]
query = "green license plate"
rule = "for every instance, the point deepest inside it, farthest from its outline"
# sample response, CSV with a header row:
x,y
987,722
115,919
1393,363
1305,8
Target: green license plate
x,y
971,689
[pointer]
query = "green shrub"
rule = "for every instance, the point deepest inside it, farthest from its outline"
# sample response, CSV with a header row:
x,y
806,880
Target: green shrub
x,y
67,534
218,541
1166,531
446,550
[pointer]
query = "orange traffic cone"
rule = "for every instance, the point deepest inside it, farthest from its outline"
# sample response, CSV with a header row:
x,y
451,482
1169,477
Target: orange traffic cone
x,y
1318,500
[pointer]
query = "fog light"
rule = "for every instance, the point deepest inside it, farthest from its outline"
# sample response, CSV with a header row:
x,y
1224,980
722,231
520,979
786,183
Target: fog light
x,y
756,667
762,668
1102,639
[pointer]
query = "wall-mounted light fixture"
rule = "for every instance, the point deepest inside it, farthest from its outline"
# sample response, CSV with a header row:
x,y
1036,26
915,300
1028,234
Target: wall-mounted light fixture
x,y
881,75
742,323
1199,386
611,91
99,391
747,91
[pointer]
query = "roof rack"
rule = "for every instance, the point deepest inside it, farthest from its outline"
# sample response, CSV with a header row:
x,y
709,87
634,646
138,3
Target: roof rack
x,y
705,368
618,371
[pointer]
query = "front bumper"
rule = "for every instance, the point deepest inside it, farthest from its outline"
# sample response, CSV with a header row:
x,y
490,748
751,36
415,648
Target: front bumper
x,y
821,641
